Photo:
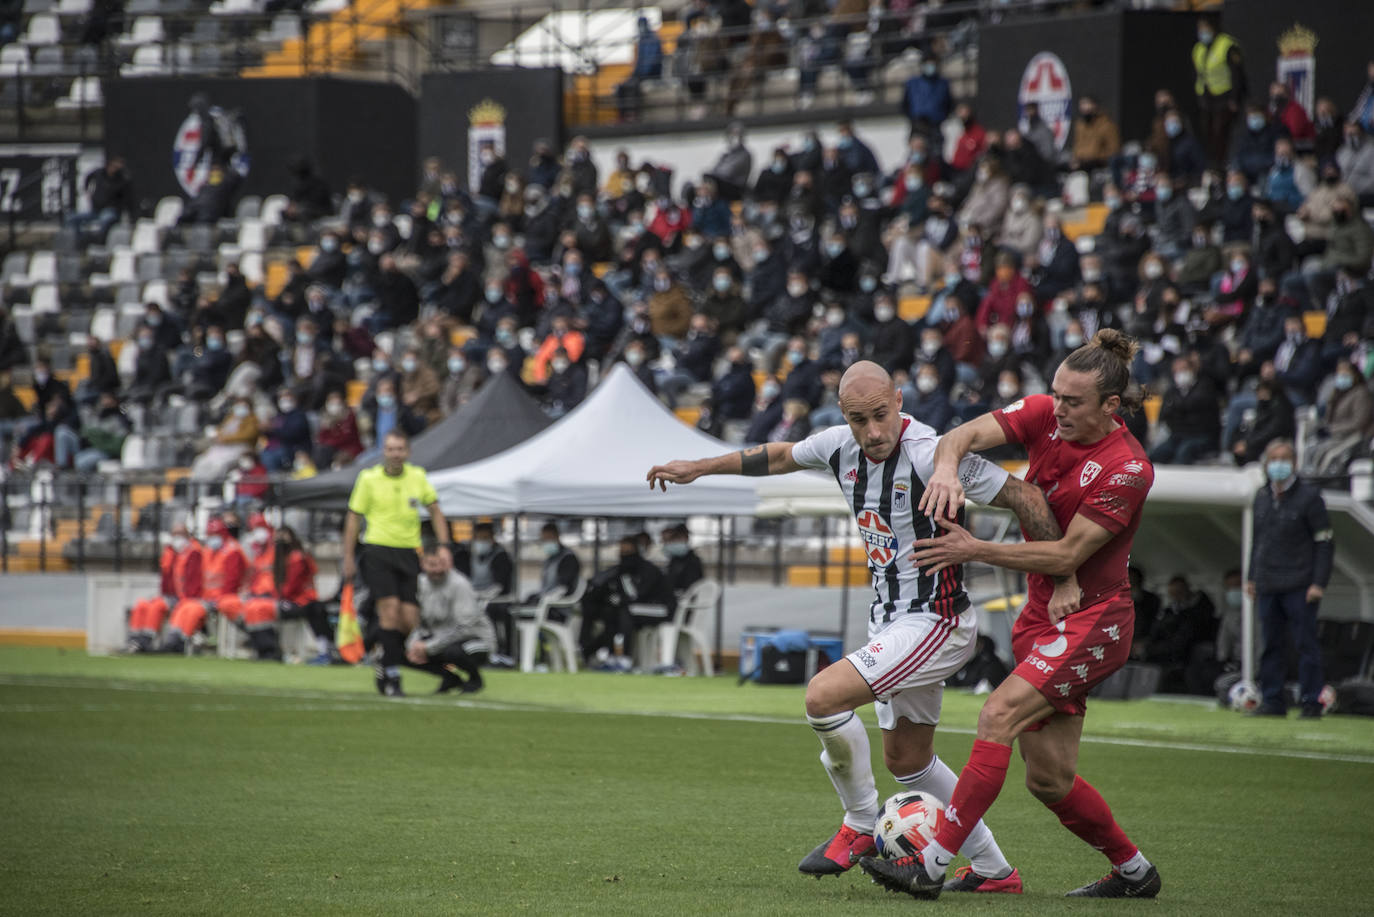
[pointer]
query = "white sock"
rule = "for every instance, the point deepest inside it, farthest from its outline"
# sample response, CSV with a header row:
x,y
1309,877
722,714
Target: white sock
x,y
1135,867
938,780
936,860
845,755
322,644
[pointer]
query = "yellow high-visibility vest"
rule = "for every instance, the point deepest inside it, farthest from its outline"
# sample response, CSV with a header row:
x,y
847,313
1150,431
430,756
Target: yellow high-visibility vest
x,y
1209,62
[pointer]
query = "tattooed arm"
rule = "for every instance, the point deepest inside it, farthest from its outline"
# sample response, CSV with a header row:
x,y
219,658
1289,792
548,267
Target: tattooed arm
x,y
1037,520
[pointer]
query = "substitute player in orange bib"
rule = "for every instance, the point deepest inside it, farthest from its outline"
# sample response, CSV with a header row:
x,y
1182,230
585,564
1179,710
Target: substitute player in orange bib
x,y
182,565
226,572
1095,475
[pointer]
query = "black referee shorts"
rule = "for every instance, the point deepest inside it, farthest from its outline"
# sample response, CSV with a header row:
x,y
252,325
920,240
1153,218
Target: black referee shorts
x,y
390,572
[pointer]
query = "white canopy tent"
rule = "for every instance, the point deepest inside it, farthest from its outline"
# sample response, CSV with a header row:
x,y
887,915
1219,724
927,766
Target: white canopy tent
x,y
592,462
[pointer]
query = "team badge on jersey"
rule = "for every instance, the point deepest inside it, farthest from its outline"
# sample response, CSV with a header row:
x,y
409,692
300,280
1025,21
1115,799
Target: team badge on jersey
x,y
899,491
1089,474
879,541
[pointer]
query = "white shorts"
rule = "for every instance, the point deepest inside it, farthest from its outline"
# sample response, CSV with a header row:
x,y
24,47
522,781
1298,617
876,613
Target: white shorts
x,y
907,661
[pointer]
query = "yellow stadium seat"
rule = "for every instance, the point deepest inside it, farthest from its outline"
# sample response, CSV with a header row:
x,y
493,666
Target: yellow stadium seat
x,y
1315,322
689,416
1152,404
833,576
354,392
913,308
1088,222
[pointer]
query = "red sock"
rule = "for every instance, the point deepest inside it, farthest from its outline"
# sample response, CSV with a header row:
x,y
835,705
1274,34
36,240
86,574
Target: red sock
x,y
979,783
1086,813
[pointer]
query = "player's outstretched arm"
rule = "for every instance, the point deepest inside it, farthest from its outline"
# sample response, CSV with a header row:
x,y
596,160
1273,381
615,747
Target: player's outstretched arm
x,y
769,458
944,495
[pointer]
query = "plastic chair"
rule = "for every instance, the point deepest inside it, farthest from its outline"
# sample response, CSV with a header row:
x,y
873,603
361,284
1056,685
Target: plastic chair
x,y
688,622
531,620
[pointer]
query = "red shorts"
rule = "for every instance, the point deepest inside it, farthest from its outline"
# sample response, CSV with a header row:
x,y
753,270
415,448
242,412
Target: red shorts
x,y
1066,661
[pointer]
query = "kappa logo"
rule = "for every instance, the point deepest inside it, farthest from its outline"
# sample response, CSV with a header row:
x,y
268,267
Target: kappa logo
x,y
952,814
1064,688
851,475
1081,671
1089,473
1114,631
1097,652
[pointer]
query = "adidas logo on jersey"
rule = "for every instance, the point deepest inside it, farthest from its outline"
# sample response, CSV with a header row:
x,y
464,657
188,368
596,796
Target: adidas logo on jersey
x,y
851,475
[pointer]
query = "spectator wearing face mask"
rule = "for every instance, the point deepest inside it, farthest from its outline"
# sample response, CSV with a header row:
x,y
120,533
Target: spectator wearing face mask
x,y
1356,160
927,98
338,441
1022,227
329,266
766,411
1273,420
1174,218
419,387
839,269
732,394
1317,211
388,413
234,435
892,337
1297,362
287,433
1288,180
1190,410
986,204
1253,150
637,358
775,181
999,305
931,405
1186,158
1200,262
1096,138
1348,425
566,385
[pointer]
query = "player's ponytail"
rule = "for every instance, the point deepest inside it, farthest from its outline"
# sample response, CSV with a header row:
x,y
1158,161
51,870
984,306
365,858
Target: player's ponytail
x,y
1108,356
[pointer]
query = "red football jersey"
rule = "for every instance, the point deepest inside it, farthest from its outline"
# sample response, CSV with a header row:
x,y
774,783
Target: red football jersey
x,y
1105,482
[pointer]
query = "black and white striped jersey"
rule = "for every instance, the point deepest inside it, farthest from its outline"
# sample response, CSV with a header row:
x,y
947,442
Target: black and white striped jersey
x,y
884,496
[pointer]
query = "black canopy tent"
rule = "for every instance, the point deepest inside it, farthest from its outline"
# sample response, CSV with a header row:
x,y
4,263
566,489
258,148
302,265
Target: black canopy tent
x,y
500,415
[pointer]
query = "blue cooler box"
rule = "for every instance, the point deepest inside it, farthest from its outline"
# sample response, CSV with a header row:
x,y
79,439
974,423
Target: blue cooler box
x,y
752,639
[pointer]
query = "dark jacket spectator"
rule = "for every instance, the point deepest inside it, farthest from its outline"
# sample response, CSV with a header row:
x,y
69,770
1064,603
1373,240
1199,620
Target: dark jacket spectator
x,y
732,395
926,98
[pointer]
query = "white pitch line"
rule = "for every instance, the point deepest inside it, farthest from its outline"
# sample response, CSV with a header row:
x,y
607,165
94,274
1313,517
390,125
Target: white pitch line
x,y
365,703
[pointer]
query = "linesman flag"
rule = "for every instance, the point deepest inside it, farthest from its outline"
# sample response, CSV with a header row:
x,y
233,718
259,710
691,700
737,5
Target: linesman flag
x,y
349,637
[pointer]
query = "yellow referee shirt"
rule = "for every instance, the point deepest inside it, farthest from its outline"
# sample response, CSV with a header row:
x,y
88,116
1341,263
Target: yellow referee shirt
x,y
391,505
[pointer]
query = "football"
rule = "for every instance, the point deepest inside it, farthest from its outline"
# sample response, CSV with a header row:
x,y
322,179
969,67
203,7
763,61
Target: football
x,y
906,823
1243,697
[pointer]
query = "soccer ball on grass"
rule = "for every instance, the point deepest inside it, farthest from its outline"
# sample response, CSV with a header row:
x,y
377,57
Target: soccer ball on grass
x,y
906,823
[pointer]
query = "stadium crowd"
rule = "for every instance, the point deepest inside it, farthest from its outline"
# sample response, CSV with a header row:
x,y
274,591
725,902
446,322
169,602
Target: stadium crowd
x,y
747,290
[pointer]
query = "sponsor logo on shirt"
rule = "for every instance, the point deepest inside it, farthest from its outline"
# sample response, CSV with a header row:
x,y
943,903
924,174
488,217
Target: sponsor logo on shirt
x,y
866,659
1134,467
851,475
879,541
1014,407
1126,480
1089,473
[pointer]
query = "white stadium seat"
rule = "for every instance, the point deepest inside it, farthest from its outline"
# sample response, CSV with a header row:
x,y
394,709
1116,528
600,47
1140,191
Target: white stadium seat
x,y
14,60
43,29
103,323
273,209
84,92
45,298
147,238
146,30
168,212
43,268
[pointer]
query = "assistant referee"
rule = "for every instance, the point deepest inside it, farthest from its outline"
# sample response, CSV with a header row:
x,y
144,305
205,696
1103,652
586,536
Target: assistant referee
x,y
389,496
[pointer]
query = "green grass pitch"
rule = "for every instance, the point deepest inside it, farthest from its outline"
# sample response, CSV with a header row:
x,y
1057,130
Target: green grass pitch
x,y
198,786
